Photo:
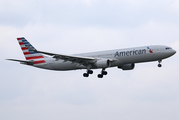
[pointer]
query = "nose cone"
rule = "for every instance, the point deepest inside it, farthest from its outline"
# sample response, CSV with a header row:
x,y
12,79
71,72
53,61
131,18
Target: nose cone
x,y
173,52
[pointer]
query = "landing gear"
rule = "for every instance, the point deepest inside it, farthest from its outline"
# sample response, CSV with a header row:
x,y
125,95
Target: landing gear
x,y
159,65
100,75
87,73
103,72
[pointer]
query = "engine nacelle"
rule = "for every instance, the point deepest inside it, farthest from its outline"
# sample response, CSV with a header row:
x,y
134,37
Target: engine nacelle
x,y
104,63
127,66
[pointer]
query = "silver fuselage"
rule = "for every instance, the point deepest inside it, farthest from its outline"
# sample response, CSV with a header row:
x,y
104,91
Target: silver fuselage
x,y
119,56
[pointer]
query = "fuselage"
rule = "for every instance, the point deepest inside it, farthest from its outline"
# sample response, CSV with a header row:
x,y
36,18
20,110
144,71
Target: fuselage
x,y
119,57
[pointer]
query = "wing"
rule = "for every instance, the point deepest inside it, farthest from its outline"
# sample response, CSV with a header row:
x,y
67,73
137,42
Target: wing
x,y
74,59
81,60
23,61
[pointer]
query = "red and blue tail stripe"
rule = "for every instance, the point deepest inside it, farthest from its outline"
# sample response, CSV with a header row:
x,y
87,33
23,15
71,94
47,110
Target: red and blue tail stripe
x,y
29,54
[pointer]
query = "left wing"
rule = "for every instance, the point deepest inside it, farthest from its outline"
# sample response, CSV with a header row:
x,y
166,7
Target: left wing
x,y
74,59
86,61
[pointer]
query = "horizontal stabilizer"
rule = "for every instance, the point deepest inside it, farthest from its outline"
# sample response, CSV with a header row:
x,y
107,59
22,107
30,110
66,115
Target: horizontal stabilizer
x,y
31,62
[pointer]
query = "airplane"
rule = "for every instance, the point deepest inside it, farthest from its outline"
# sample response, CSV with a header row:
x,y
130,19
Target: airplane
x,y
124,59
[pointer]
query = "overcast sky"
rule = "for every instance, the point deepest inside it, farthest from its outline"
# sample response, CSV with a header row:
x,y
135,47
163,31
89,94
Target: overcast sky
x,y
77,26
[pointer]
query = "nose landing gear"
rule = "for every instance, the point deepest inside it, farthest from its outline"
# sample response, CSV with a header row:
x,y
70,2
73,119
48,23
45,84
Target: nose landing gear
x,y
159,65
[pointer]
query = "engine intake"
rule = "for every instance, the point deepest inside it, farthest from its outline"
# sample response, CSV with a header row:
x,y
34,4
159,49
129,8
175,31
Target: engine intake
x,y
127,66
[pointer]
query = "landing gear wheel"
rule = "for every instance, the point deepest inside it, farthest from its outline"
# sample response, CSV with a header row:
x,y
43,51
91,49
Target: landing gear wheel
x,y
89,71
85,75
104,73
100,76
159,65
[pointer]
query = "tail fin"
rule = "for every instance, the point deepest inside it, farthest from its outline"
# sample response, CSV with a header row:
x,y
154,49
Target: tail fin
x,y
28,53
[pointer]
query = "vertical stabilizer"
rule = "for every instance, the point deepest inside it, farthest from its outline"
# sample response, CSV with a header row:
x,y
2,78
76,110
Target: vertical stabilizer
x,y
37,57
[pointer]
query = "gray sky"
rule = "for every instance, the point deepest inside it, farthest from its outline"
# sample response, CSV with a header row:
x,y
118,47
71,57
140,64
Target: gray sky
x,y
76,26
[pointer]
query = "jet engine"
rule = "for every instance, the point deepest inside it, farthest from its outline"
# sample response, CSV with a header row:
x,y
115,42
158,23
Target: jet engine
x,y
127,66
104,63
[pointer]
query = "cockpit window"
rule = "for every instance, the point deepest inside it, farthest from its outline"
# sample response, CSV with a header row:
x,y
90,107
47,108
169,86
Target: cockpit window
x,y
168,48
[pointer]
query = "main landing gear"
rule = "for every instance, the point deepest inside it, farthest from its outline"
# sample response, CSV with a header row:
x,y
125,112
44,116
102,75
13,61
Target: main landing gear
x,y
103,72
159,65
87,73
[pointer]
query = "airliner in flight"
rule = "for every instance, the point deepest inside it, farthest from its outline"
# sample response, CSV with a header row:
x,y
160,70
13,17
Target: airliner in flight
x,y
124,59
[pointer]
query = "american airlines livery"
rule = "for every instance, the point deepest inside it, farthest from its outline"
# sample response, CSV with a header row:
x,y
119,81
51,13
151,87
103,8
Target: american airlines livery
x,y
124,59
